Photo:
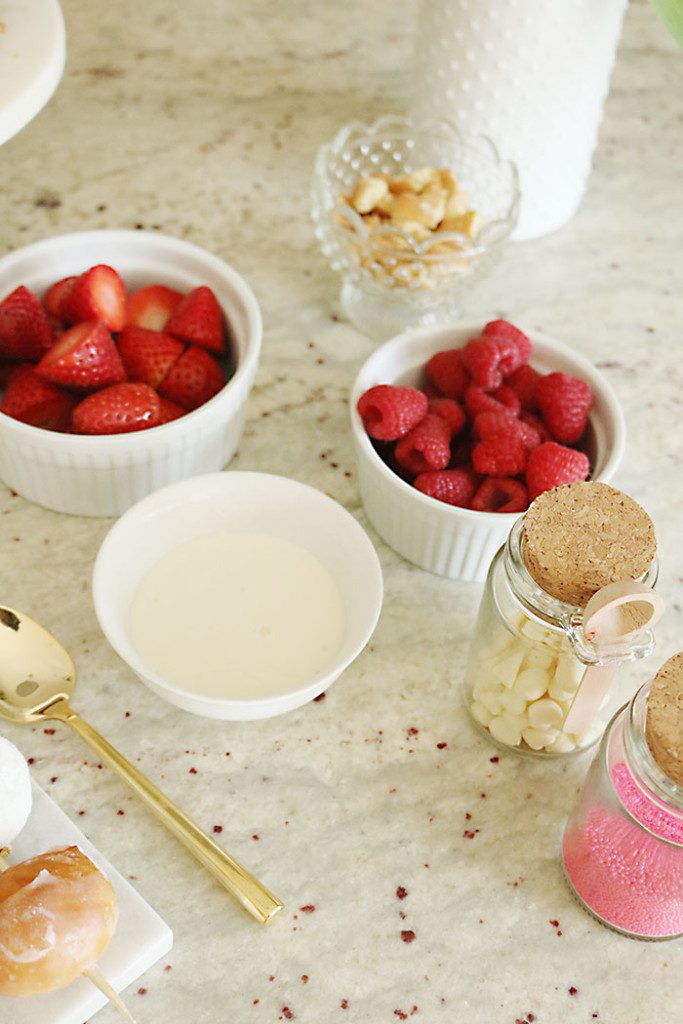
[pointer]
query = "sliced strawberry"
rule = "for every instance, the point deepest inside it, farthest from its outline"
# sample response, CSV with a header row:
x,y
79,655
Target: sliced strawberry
x,y
56,296
169,410
152,306
193,380
98,294
118,409
198,318
24,329
30,399
147,356
84,357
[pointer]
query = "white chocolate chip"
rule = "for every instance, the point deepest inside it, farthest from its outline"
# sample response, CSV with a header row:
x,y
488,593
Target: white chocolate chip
x,y
539,657
513,702
492,701
531,683
558,693
562,744
507,729
569,672
539,738
480,713
545,714
506,669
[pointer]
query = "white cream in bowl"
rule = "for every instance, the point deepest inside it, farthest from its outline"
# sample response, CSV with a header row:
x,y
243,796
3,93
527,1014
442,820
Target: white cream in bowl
x,y
238,615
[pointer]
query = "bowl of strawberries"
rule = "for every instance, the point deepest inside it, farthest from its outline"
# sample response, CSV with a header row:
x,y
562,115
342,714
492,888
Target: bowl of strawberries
x,y
126,362
458,428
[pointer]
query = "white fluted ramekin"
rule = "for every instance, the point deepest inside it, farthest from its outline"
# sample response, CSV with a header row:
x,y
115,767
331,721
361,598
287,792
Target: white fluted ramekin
x,y
445,539
103,476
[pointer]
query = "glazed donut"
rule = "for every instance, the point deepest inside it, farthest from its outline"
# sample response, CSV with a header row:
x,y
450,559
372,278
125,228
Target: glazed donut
x,y
57,915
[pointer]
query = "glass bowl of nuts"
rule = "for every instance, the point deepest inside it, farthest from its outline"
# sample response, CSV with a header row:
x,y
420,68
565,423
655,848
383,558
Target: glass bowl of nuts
x,y
410,213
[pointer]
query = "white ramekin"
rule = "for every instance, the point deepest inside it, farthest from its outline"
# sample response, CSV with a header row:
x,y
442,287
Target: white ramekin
x,y
444,539
246,503
103,476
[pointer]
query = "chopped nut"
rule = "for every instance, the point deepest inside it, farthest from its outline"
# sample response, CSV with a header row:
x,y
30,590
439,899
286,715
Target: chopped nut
x,y
447,180
416,206
466,223
368,193
385,205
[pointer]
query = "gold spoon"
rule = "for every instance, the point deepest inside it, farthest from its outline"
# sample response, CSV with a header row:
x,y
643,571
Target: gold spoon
x,y
37,677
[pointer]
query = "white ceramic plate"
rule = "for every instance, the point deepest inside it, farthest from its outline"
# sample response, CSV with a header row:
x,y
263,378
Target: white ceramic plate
x,y
141,937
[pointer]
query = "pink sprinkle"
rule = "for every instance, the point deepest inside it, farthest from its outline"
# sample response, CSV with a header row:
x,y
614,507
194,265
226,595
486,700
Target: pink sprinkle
x,y
344,1004
624,873
308,908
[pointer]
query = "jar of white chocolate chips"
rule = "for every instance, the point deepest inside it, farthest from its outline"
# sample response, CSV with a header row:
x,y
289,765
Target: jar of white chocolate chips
x,y
567,600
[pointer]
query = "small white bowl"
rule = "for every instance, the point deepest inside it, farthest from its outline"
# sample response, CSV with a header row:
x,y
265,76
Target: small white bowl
x,y
245,502
445,539
103,476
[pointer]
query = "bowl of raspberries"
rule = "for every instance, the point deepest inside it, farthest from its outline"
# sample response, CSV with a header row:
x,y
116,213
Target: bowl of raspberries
x,y
126,362
458,428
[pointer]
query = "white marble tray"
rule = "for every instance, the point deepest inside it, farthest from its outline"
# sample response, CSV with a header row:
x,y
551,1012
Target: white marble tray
x,y
141,937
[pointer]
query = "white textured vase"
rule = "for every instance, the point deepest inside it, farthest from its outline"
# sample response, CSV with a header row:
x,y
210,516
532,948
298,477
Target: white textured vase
x,y
533,76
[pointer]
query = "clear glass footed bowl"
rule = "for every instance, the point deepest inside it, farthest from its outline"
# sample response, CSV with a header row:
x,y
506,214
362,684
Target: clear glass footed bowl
x,y
394,275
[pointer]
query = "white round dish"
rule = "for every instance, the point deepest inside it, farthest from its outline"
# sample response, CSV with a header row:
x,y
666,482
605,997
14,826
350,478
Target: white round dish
x,y
103,476
32,56
445,539
245,502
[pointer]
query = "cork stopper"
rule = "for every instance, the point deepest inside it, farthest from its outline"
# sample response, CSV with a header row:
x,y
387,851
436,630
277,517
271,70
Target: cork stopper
x,y
664,723
580,537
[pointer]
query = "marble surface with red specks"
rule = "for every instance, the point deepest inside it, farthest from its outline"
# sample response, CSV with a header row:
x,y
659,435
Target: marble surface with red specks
x,y
420,869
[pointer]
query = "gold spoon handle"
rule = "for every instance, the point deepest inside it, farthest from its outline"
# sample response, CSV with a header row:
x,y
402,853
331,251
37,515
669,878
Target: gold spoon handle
x,y
239,882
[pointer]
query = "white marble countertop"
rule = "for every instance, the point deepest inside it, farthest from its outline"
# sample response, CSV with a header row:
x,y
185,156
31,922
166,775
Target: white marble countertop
x,y
204,124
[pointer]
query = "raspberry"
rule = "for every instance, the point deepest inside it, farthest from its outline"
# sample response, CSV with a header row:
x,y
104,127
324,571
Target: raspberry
x,y
551,465
447,371
504,329
488,423
454,486
389,412
500,494
524,382
450,412
500,454
564,402
503,399
426,446
537,423
482,357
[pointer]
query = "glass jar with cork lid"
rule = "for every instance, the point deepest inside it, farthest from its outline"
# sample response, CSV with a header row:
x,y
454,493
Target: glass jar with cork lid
x,y
566,601
623,843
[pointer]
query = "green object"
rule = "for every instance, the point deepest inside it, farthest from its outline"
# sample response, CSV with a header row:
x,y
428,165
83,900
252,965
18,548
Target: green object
x,y
671,13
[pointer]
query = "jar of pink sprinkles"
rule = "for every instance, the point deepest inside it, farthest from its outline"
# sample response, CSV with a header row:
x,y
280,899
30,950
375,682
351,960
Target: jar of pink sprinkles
x,y
623,843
